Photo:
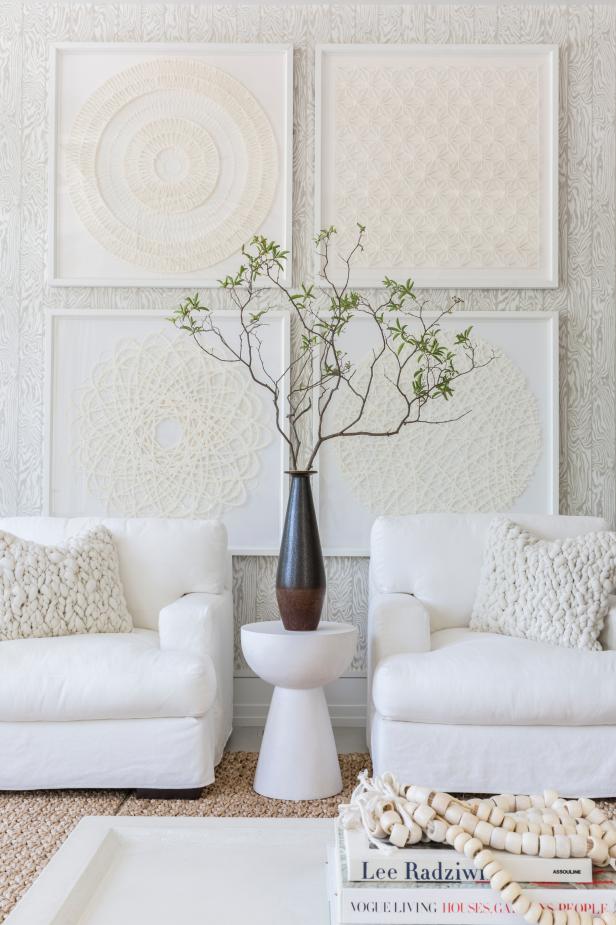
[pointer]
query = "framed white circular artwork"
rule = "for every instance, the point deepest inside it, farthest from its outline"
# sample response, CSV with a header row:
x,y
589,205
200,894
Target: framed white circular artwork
x,y
166,159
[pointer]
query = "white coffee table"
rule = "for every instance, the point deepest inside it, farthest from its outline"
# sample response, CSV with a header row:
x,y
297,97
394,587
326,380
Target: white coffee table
x,y
298,758
184,871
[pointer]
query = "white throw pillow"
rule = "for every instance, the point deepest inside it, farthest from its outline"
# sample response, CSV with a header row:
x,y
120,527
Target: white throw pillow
x,y
61,590
552,591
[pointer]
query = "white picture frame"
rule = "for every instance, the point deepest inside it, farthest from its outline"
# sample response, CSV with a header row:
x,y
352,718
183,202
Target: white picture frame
x,y
514,243
262,75
96,404
529,341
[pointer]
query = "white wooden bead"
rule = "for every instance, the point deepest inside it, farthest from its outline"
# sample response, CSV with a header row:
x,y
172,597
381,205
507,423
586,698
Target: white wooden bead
x,y
418,794
536,799
500,880
484,857
547,846
596,831
579,846
497,839
521,826
587,806
560,805
416,834
399,835
598,852
597,816
585,918
582,828
530,843
573,917
563,846
609,838
453,813
609,918
437,830
549,797
546,917
560,917
497,816
550,817
570,829
484,808
484,832
469,822
545,829
492,868
506,801
389,819
521,905
511,892
513,843
558,830
423,814
460,841
522,801
534,913
440,802
508,823
453,832
574,808
472,847
534,827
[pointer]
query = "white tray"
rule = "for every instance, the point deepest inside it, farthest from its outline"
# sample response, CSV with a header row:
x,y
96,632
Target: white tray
x,y
115,870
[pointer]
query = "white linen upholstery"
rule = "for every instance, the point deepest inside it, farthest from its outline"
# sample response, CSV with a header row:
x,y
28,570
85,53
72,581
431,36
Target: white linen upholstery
x,y
477,712
485,679
102,676
437,557
160,558
145,709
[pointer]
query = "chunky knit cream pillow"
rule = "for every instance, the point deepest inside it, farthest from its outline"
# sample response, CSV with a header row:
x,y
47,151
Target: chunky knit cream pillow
x,y
61,590
552,591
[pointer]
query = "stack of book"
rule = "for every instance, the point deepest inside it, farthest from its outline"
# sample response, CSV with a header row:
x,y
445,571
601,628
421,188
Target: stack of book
x,y
430,884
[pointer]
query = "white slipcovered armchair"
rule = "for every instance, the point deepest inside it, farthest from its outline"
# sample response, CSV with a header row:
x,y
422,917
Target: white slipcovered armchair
x,y
478,712
150,709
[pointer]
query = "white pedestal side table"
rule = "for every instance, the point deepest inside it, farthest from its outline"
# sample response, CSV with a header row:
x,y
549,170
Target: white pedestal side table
x,y
298,758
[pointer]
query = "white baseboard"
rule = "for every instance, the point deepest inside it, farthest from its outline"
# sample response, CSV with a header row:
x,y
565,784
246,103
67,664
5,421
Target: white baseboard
x,y
346,699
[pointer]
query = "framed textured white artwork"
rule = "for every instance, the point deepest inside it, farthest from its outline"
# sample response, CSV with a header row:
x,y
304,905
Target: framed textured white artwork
x,y
165,159
142,423
448,154
495,448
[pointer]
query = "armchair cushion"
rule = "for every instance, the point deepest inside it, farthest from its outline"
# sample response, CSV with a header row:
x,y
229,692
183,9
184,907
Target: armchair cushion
x,y
552,591
484,679
101,677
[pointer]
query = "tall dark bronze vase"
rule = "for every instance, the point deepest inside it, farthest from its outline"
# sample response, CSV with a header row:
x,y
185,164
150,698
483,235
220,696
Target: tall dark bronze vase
x,y
300,579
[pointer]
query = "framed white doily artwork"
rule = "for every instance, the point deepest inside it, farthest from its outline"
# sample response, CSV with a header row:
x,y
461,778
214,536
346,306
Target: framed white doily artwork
x,y
448,154
142,423
495,448
165,159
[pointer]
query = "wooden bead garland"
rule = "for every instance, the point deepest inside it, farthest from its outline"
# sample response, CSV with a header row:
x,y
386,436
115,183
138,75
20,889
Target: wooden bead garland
x,y
545,825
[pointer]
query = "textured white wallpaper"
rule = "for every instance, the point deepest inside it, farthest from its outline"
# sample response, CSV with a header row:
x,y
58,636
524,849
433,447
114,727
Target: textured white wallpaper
x,y
585,299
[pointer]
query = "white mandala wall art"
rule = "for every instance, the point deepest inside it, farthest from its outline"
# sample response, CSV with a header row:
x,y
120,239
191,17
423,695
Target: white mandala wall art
x,y
164,430
492,447
447,155
172,163
482,462
142,423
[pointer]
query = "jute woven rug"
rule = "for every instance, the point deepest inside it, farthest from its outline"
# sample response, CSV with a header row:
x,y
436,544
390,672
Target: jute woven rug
x,y
34,825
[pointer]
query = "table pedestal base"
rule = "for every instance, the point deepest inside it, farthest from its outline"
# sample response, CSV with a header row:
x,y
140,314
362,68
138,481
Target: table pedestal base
x,y
298,758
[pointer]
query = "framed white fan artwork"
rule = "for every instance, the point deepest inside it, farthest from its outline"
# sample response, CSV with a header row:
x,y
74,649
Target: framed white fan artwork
x,y
165,159
493,446
448,154
142,423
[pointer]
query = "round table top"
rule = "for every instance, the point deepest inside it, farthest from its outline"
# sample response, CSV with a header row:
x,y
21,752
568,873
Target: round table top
x,y
275,628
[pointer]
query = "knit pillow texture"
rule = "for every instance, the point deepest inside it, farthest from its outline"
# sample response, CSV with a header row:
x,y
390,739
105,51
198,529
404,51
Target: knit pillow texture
x,y
553,591
61,590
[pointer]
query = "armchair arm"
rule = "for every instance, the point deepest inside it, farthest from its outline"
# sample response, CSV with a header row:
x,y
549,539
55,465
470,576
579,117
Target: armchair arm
x,y
396,623
608,633
202,624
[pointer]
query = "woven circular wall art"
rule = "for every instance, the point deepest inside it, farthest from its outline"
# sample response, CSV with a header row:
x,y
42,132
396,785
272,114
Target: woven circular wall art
x,y
172,165
482,462
164,430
